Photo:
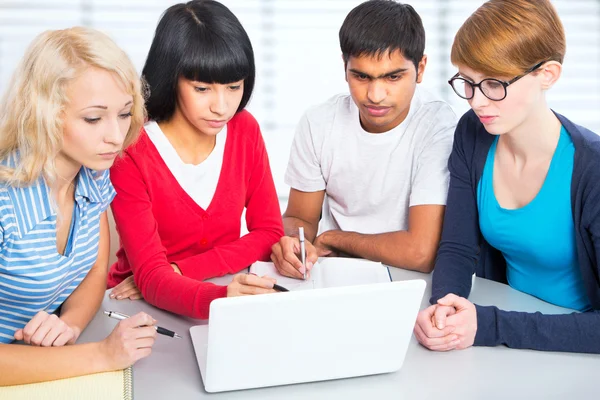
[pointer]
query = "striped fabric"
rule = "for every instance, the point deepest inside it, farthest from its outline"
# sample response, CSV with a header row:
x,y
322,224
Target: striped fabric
x,y
33,275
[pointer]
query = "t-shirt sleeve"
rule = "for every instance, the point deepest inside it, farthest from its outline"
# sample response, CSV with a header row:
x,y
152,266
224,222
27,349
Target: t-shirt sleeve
x,y
431,179
304,171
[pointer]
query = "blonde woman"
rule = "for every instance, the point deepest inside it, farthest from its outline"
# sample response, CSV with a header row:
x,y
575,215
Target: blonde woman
x,y
73,104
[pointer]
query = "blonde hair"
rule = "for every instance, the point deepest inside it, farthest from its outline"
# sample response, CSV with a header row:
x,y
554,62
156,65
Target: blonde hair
x,y
507,37
31,112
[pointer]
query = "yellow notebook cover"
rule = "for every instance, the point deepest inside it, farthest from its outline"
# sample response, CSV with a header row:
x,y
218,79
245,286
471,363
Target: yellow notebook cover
x,y
117,385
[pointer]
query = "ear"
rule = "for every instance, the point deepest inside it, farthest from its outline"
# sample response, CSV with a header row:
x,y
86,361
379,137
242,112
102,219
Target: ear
x,y
550,73
421,68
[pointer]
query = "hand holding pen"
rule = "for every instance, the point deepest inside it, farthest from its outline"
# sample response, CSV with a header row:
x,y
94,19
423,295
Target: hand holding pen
x,y
294,256
250,284
159,329
131,340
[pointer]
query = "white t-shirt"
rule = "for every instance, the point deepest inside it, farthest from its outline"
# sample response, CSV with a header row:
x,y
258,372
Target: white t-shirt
x,y
199,181
371,180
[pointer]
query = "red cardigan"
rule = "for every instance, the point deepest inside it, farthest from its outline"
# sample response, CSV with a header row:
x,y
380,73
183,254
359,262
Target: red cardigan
x,y
159,223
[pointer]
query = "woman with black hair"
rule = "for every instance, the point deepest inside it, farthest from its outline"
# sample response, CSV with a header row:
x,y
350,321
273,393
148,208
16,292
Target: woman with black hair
x,y
199,162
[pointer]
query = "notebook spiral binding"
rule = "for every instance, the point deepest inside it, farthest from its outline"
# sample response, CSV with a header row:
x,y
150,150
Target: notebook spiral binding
x,y
128,384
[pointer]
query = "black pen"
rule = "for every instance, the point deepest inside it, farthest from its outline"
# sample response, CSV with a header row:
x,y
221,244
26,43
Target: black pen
x,y
279,288
162,331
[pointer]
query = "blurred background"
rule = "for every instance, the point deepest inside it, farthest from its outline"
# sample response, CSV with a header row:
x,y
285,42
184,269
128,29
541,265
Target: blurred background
x,y
297,52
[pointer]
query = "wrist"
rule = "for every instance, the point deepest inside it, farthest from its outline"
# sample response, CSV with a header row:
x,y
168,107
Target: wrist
x,y
176,269
328,238
487,329
76,333
101,360
76,327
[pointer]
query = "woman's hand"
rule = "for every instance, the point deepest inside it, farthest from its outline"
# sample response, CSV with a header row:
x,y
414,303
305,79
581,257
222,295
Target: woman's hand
x,y
127,289
248,284
47,330
131,340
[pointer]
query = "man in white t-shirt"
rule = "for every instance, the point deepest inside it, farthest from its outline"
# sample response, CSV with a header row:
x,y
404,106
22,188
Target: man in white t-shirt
x,y
368,171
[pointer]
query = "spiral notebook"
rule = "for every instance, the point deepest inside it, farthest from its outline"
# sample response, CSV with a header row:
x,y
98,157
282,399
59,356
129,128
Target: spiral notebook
x,y
329,272
117,385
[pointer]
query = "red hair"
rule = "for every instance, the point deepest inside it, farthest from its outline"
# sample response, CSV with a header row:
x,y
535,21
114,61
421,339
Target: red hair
x,y
507,37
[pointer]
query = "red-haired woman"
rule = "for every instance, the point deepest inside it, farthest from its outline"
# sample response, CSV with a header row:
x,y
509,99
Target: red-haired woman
x,y
524,200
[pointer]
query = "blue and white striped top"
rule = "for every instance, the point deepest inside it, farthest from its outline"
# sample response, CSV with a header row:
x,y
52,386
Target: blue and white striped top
x,y
33,275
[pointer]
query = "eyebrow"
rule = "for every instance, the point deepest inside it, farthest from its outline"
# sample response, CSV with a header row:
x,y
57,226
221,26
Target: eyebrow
x,y
387,74
465,76
105,107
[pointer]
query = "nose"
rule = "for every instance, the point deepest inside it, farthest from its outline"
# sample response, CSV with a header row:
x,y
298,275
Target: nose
x,y
218,104
376,92
478,100
114,133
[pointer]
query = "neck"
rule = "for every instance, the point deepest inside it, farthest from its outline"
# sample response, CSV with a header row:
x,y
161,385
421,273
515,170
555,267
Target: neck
x,y
185,137
66,172
535,138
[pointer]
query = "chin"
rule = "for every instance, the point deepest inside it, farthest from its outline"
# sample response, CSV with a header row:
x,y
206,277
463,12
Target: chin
x,y
496,130
101,165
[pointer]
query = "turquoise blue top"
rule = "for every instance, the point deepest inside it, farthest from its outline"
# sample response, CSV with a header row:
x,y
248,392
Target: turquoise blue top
x,y
537,240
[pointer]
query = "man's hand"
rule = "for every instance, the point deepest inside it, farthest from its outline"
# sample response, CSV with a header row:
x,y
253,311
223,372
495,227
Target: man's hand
x,y
323,247
286,257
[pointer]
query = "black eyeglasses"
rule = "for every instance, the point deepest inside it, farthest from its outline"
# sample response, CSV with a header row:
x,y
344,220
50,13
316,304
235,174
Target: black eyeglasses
x,y
493,89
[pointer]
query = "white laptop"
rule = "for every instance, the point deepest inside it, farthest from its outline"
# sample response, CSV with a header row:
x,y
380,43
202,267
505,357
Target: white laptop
x,y
305,336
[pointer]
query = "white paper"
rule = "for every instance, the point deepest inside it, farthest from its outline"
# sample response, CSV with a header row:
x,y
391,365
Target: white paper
x,y
328,272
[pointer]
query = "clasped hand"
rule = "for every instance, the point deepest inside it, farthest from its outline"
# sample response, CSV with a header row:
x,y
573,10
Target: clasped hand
x,y
450,324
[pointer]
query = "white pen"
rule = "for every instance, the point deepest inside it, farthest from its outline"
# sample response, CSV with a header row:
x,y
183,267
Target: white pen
x,y
162,331
302,250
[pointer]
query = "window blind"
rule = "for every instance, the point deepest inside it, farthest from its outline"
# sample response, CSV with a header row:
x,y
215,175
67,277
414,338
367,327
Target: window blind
x,y
297,52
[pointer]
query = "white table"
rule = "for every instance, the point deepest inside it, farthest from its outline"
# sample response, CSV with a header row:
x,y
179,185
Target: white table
x,y
171,372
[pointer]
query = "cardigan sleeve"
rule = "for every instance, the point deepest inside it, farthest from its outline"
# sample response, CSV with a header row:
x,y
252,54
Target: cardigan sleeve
x,y
459,246
575,332
263,219
152,272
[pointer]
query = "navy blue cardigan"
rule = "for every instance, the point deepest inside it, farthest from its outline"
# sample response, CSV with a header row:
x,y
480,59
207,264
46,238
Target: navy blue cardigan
x,y
463,250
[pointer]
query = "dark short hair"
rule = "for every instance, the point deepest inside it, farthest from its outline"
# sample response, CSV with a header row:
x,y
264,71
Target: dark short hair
x,y
376,27
202,41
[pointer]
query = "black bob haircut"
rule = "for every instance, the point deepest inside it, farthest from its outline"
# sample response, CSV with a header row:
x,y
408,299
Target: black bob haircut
x,y
202,41
376,27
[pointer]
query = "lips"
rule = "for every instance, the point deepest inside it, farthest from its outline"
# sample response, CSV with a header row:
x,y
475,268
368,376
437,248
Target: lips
x,y
377,111
111,154
486,119
216,123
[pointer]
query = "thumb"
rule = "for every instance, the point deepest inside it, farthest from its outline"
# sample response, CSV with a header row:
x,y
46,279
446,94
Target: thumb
x,y
19,334
449,300
139,319
311,253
